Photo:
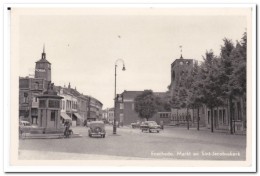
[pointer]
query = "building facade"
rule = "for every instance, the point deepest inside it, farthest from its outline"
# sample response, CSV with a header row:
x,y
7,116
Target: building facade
x,y
125,109
94,109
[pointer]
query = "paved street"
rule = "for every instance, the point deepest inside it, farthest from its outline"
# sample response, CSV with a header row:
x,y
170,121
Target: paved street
x,y
171,143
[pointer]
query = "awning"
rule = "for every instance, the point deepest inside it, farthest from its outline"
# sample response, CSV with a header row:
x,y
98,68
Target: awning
x,y
78,116
65,116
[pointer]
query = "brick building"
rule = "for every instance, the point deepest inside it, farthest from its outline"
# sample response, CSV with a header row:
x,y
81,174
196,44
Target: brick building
x,y
125,109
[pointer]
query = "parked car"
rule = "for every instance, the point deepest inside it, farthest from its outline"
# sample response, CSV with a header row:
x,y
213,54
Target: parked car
x,y
136,124
96,128
150,126
25,127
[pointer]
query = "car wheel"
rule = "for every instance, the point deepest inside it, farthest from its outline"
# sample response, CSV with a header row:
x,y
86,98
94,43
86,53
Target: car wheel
x,y
104,136
150,131
157,131
90,135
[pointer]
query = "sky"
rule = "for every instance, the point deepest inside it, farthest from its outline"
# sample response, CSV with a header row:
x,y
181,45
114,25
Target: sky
x,y
83,47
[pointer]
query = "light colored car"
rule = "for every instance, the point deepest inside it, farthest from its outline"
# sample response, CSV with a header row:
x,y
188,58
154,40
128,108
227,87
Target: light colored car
x,y
96,128
26,127
150,126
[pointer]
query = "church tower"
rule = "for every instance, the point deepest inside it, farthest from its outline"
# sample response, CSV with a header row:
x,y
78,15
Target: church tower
x,y
43,67
180,69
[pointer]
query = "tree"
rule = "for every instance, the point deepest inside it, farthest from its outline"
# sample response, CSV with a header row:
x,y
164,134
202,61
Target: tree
x,y
209,84
233,69
194,94
145,104
180,99
227,78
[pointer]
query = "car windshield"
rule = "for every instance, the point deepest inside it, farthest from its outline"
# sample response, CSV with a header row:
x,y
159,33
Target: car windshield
x,y
96,123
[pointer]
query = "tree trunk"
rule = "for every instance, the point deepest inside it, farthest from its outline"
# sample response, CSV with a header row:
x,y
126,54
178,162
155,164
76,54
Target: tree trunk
x,y
231,114
187,118
192,115
177,117
212,120
198,119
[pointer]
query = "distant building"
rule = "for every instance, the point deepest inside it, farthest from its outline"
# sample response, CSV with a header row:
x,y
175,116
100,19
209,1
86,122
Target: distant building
x,y
94,109
125,109
75,106
69,106
30,88
108,114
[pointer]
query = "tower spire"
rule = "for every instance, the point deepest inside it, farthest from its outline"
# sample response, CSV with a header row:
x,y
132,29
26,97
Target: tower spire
x,y
181,52
43,52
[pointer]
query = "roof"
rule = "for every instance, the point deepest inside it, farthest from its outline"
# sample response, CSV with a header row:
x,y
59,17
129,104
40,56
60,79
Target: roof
x,y
75,93
133,94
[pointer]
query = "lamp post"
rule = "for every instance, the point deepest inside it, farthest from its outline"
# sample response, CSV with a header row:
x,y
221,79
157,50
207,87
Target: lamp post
x,y
114,125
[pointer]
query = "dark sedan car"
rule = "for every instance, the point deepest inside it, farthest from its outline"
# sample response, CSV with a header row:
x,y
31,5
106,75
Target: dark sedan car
x,y
97,128
150,126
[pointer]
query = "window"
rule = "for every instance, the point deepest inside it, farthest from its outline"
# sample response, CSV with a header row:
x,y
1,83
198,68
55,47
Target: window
x,y
63,104
36,85
52,115
54,103
34,99
220,116
224,117
121,118
34,112
25,97
121,105
42,104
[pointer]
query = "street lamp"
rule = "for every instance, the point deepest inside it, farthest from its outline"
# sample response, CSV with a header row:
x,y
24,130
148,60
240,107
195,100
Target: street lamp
x,y
114,125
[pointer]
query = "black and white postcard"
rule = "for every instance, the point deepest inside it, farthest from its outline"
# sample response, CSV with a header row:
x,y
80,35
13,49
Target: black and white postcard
x,y
144,88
